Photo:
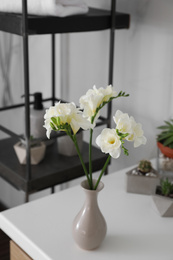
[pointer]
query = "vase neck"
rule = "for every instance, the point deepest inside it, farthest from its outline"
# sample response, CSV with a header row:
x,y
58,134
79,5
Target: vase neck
x,y
85,185
91,198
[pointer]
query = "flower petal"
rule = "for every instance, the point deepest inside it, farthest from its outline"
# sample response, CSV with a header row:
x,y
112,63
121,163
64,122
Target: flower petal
x,y
115,153
109,142
94,98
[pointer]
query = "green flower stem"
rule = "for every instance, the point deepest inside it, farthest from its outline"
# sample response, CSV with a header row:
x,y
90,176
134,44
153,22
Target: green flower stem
x,y
57,125
120,94
81,159
103,170
90,158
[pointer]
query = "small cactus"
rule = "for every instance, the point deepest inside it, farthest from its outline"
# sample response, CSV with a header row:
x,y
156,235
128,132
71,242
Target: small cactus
x,y
166,187
144,166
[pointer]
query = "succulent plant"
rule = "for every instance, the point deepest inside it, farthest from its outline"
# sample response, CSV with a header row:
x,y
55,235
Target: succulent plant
x,y
166,136
166,187
144,166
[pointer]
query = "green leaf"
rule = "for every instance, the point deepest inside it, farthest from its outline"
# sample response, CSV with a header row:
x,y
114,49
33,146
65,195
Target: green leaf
x,y
168,123
168,141
54,120
53,126
164,136
58,120
163,127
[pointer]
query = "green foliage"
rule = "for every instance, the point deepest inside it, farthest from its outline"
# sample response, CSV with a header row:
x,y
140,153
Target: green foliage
x,y
145,166
166,187
166,135
122,137
57,125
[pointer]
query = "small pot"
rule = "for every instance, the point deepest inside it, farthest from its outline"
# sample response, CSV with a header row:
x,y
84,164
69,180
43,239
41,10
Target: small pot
x,y
37,152
163,204
165,150
66,146
141,184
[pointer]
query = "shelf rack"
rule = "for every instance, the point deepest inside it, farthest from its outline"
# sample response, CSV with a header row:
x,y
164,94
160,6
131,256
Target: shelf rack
x,y
94,20
54,169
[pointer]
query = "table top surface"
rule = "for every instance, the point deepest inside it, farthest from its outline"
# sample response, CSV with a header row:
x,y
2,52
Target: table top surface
x,y
42,228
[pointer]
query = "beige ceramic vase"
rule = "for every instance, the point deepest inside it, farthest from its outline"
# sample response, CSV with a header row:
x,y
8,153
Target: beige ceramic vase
x,y
89,226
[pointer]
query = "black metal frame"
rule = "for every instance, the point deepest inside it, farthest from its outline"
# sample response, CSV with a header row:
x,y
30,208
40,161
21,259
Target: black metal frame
x,y
111,51
26,85
27,103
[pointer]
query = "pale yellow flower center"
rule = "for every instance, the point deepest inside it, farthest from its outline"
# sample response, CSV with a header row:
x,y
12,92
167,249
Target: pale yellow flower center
x,y
122,128
131,137
111,140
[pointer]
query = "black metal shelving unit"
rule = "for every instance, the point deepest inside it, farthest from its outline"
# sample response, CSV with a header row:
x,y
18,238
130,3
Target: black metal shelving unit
x,y
54,169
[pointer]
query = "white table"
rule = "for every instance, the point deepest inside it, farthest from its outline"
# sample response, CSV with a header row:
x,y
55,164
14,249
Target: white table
x,y
42,228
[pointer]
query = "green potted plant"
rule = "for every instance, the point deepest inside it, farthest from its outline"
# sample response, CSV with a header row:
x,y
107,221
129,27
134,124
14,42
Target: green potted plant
x,y
165,138
143,179
163,198
166,188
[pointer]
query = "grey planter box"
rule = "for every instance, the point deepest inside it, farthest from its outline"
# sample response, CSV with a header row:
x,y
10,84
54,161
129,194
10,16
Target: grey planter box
x,y
141,184
66,146
163,205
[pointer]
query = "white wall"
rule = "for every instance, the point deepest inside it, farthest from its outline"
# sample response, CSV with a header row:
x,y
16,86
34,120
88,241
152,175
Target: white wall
x,y
143,68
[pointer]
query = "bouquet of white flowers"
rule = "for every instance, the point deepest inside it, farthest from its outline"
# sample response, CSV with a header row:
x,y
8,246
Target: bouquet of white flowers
x,y
68,118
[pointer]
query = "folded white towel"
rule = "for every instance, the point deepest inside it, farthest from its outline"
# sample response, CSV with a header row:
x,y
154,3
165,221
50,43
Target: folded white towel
x,y
46,7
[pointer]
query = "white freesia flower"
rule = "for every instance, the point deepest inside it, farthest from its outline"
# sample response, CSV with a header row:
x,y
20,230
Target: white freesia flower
x,y
109,142
49,113
136,134
126,124
94,98
122,121
107,92
66,117
67,113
